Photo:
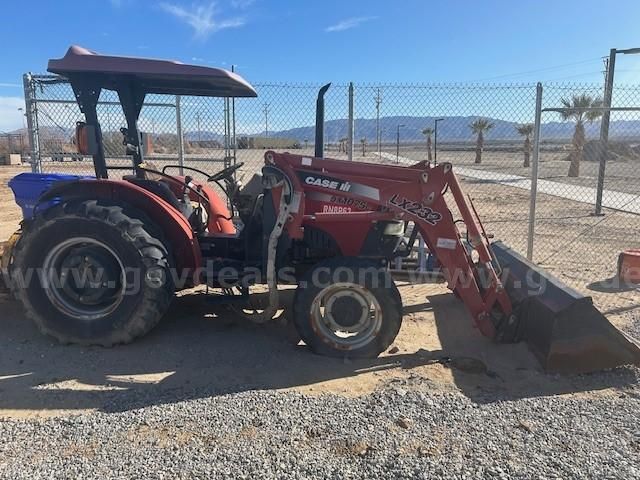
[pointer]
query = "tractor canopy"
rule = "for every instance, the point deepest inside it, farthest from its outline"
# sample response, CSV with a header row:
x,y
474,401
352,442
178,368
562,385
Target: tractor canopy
x,y
133,78
153,76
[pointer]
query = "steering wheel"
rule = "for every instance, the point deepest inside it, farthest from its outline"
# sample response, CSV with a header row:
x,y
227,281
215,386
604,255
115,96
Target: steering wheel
x,y
225,173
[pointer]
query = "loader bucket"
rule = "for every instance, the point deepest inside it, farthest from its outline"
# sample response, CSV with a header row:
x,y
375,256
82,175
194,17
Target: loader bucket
x,y
561,326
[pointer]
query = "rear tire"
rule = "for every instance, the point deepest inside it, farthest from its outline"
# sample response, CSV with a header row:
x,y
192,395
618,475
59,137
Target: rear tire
x,y
98,276
347,307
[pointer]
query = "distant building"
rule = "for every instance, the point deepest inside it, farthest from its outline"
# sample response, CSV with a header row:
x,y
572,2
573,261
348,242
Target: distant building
x,y
267,142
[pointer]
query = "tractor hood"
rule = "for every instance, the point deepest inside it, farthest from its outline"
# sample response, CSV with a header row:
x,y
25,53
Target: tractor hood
x,y
153,76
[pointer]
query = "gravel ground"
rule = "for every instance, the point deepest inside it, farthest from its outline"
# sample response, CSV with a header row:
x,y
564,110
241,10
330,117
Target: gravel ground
x,y
402,431
633,325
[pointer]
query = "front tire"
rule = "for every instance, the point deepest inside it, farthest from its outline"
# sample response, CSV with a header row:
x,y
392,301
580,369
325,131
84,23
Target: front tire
x,y
347,307
92,274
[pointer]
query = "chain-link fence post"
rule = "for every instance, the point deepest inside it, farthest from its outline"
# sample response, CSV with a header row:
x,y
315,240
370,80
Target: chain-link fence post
x,y
32,121
534,172
234,141
180,134
604,129
228,154
350,124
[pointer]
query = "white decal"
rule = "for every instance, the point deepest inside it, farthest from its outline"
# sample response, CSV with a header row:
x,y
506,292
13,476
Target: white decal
x,y
335,209
416,208
327,183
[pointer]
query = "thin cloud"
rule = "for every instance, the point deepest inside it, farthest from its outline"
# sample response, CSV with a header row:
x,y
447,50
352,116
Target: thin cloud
x,y
10,85
201,18
242,3
348,24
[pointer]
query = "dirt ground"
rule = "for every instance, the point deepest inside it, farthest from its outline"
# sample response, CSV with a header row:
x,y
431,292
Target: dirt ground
x,y
621,175
10,215
200,350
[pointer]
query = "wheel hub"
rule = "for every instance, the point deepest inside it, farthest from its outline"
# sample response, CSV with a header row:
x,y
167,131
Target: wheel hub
x,y
89,275
346,315
85,278
347,310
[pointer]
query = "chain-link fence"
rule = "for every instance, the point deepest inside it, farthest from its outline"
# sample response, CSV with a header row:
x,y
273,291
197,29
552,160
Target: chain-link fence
x,y
12,143
485,131
588,196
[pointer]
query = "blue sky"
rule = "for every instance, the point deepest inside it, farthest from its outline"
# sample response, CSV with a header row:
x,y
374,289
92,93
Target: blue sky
x,y
331,40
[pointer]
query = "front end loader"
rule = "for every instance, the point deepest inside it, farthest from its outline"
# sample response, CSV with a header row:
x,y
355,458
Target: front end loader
x,y
509,298
108,254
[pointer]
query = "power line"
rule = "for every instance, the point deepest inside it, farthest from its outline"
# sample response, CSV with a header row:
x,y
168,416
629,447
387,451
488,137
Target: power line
x,y
577,75
546,69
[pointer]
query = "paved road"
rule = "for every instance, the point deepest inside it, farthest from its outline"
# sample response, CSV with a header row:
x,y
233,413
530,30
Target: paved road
x,y
625,202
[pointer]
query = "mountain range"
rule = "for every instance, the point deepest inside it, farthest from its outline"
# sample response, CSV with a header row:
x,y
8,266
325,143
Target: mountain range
x,y
449,129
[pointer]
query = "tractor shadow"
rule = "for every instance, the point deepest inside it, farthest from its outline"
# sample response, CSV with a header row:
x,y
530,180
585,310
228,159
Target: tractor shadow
x,y
201,350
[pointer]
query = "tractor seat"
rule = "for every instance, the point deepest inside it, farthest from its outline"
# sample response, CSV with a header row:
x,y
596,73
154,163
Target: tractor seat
x,y
162,190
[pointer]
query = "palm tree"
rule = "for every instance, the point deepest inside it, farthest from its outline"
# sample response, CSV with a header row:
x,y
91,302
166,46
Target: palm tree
x,y
363,141
343,144
577,110
479,127
526,130
427,132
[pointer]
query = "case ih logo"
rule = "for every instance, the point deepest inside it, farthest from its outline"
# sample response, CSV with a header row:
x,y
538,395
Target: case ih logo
x,y
417,209
327,182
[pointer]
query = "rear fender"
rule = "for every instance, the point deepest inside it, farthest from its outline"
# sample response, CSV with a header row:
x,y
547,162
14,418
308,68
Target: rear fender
x,y
176,228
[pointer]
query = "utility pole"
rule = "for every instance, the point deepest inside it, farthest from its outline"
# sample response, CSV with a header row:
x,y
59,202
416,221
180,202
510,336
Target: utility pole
x,y
23,115
378,100
266,120
198,123
435,140
398,143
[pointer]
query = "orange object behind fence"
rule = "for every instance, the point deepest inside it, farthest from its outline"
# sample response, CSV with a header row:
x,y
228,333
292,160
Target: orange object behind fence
x,y
629,266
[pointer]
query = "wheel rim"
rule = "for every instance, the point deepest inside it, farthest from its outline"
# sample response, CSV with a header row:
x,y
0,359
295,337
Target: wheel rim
x,y
85,278
346,316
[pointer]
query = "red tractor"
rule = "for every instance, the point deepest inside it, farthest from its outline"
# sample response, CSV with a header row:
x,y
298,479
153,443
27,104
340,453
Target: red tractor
x,y
98,259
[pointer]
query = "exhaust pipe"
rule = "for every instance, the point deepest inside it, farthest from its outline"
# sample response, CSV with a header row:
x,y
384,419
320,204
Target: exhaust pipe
x,y
561,326
319,141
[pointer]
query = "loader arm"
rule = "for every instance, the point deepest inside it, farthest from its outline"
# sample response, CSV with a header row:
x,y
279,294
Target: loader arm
x,y
410,194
